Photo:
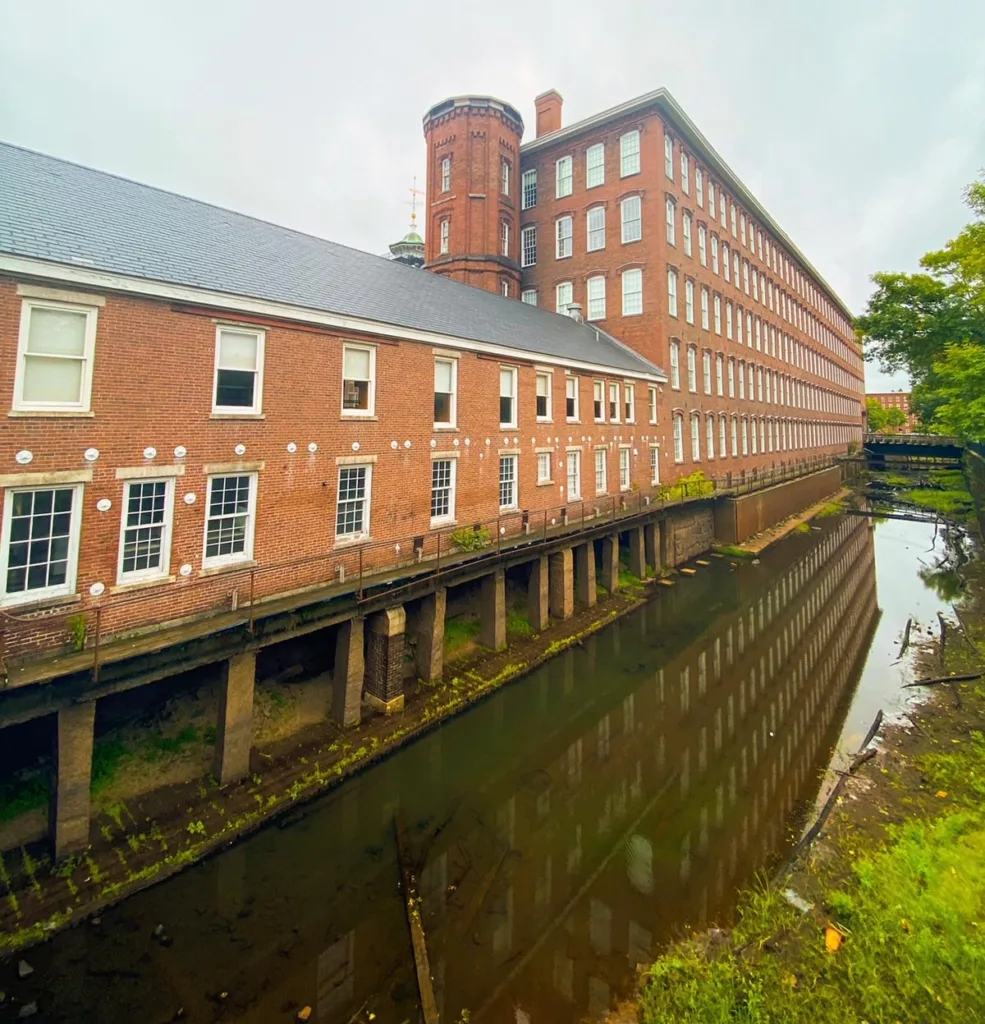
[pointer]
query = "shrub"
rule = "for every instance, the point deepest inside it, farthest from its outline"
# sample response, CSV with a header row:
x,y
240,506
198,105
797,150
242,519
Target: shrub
x,y
471,539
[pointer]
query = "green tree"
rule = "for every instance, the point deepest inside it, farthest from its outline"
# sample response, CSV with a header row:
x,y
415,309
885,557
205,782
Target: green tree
x,y
876,415
895,418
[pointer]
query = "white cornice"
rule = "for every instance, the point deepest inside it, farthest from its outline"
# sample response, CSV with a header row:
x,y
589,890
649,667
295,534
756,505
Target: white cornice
x,y
20,266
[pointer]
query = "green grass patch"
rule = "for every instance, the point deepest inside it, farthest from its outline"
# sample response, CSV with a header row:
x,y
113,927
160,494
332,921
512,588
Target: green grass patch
x,y
629,581
460,632
158,746
733,551
950,504
834,508
518,624
802,528
26,791
108,756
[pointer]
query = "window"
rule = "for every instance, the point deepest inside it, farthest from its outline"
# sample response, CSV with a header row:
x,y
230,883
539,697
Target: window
x,y
702,245
695,437
632,292
543,467
675,364
738,326
563,184
669,157
711,198
726,268
714,254
671,222
445,372
728,320
571,398
629,154
629,402
704,307
686,231
745,436
742,226
625,473
614,403
678,437
145,540
528,247
732,212
507,396
699,186
595,166
731,378
721,207
600,471
652,396
718,314
706,371
689,301
692,368
745,276
710,436
564,229
55,351
507,482
685,174
596,298
443,228
735,267
504,238
598,392
529,185
446,174
735,435
672,292
358,380
632,219
40,543
742,379
229,520
504,286
722,432
543,396
596,228
238,371
574,475
720,374
442,491
564,296
654,465
505,175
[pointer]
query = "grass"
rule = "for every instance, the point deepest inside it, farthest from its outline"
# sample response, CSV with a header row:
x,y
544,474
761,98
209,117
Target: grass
x,y
802,528
950,504
460,632
733,551
24,792
833,508
517,623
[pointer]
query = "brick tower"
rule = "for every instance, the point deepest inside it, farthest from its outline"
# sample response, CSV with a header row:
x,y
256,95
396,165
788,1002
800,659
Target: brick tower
x,y
473,192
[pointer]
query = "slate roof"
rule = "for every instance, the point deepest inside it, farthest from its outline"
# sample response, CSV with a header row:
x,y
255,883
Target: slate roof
x,y
63,213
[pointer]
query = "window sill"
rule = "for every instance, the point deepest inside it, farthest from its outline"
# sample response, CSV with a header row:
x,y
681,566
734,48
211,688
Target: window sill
x,y
445,427
54,414
237,416
351,542
41,604
365,417
545,483
508,426
126,588
441,522
217,570
544,420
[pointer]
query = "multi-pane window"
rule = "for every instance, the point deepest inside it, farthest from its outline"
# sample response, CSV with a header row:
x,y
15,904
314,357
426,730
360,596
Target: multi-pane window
x,y
507,396
543,396
738,326
596,228
528,246
629,402
710,436
543,467
238,371
574,474
600,471
654,464
504,238
675,364
55,352
443,231
689,301
632,219
507,482
745,436
685,174
686,232
529,189
625,472
742,379
40,543
669,157
718,314
722,431
745,276
598,398
731,378
671,221
614,403
145,541
595,165
720,374
596,298
732,212
672,292
735,437
678,437
728,320
714,254
704,307
442,490
721,207
695,437
711,198
563,177
706,371
445,372
742,225
571,398
653,404
446,174
699,186
358,379
564,237
735,267
564,295
702,245
632,292
726,267
692,368
629,154
352,508
506,174
229,519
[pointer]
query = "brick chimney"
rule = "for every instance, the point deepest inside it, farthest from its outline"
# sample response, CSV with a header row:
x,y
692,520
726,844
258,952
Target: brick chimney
x,y
548,106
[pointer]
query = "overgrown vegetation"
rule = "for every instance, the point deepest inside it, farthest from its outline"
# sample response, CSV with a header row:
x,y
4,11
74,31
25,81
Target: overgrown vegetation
x,y
692,486
460,632
469,539
25,791
733,551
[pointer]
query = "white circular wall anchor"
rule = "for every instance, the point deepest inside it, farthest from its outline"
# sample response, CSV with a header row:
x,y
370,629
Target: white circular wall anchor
x,y
24,457
104,504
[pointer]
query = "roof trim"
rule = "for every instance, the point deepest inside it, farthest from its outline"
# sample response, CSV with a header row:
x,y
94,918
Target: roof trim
x,y
675,113
98,279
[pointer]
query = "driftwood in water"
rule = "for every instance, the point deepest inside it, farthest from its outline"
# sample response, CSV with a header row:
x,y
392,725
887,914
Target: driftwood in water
x,y
940,619
906,637
966,678
412,902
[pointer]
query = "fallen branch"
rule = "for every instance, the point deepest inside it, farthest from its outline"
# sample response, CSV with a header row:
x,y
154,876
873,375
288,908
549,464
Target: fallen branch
x,y
429,1007
940,619
906,637
967,678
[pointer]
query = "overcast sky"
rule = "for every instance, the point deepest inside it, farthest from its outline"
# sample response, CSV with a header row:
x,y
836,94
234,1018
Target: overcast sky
x,y
856,122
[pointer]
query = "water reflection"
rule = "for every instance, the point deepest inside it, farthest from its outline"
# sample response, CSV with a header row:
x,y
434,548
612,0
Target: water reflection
x,y
567,827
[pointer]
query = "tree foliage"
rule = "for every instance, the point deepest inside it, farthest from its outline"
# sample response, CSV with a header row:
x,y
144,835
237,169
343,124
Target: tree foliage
x,y
932,325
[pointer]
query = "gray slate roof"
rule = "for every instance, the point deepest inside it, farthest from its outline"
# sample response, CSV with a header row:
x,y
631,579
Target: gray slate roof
x,y
60,212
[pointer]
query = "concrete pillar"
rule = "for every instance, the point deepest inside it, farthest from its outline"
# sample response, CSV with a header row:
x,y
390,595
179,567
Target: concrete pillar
x,y
349,673
537,595
69,807
637,559
585,575
430,657
492,614
561,588
385,660
234,731
651,543
610,563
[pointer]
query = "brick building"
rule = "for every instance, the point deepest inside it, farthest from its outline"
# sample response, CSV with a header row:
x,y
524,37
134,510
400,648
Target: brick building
x,y
632,220
898,400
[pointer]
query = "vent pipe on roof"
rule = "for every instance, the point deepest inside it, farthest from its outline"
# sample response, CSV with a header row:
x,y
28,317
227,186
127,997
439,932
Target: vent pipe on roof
x,y
574,311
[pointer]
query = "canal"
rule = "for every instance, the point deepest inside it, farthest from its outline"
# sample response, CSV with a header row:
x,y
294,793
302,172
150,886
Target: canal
x,y
568,826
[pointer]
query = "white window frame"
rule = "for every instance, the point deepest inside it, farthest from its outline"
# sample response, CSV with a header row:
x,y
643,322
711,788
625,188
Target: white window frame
x,y
720,375
529,296
710,436
627,232
75,531
240,410
595,165
678,438
629,403
505,174
563,177
452,420
717,313
529,232
705,308
596,214
671,220
695,437
161,571
685,173
654,465
371,406
625,468
595,289
652,400
560,237
514,372
702,245
689,301
84,403
692,369
601,470
699,186
236,557
559,305
364,533
633,276
546,378
598,400
449,517
504,237
572,459
528,183
669,156
706,370
629,154
572,384
446,174
686,232
614,407
515,503
544,465
675,365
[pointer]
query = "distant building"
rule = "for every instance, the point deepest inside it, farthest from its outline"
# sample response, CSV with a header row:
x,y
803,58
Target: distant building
x,y
410,248
898,400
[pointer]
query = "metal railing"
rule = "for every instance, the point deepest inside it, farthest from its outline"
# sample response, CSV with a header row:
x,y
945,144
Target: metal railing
x,y
79,634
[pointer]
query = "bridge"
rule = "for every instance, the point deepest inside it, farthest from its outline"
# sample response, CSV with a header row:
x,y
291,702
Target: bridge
x,y
917,451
